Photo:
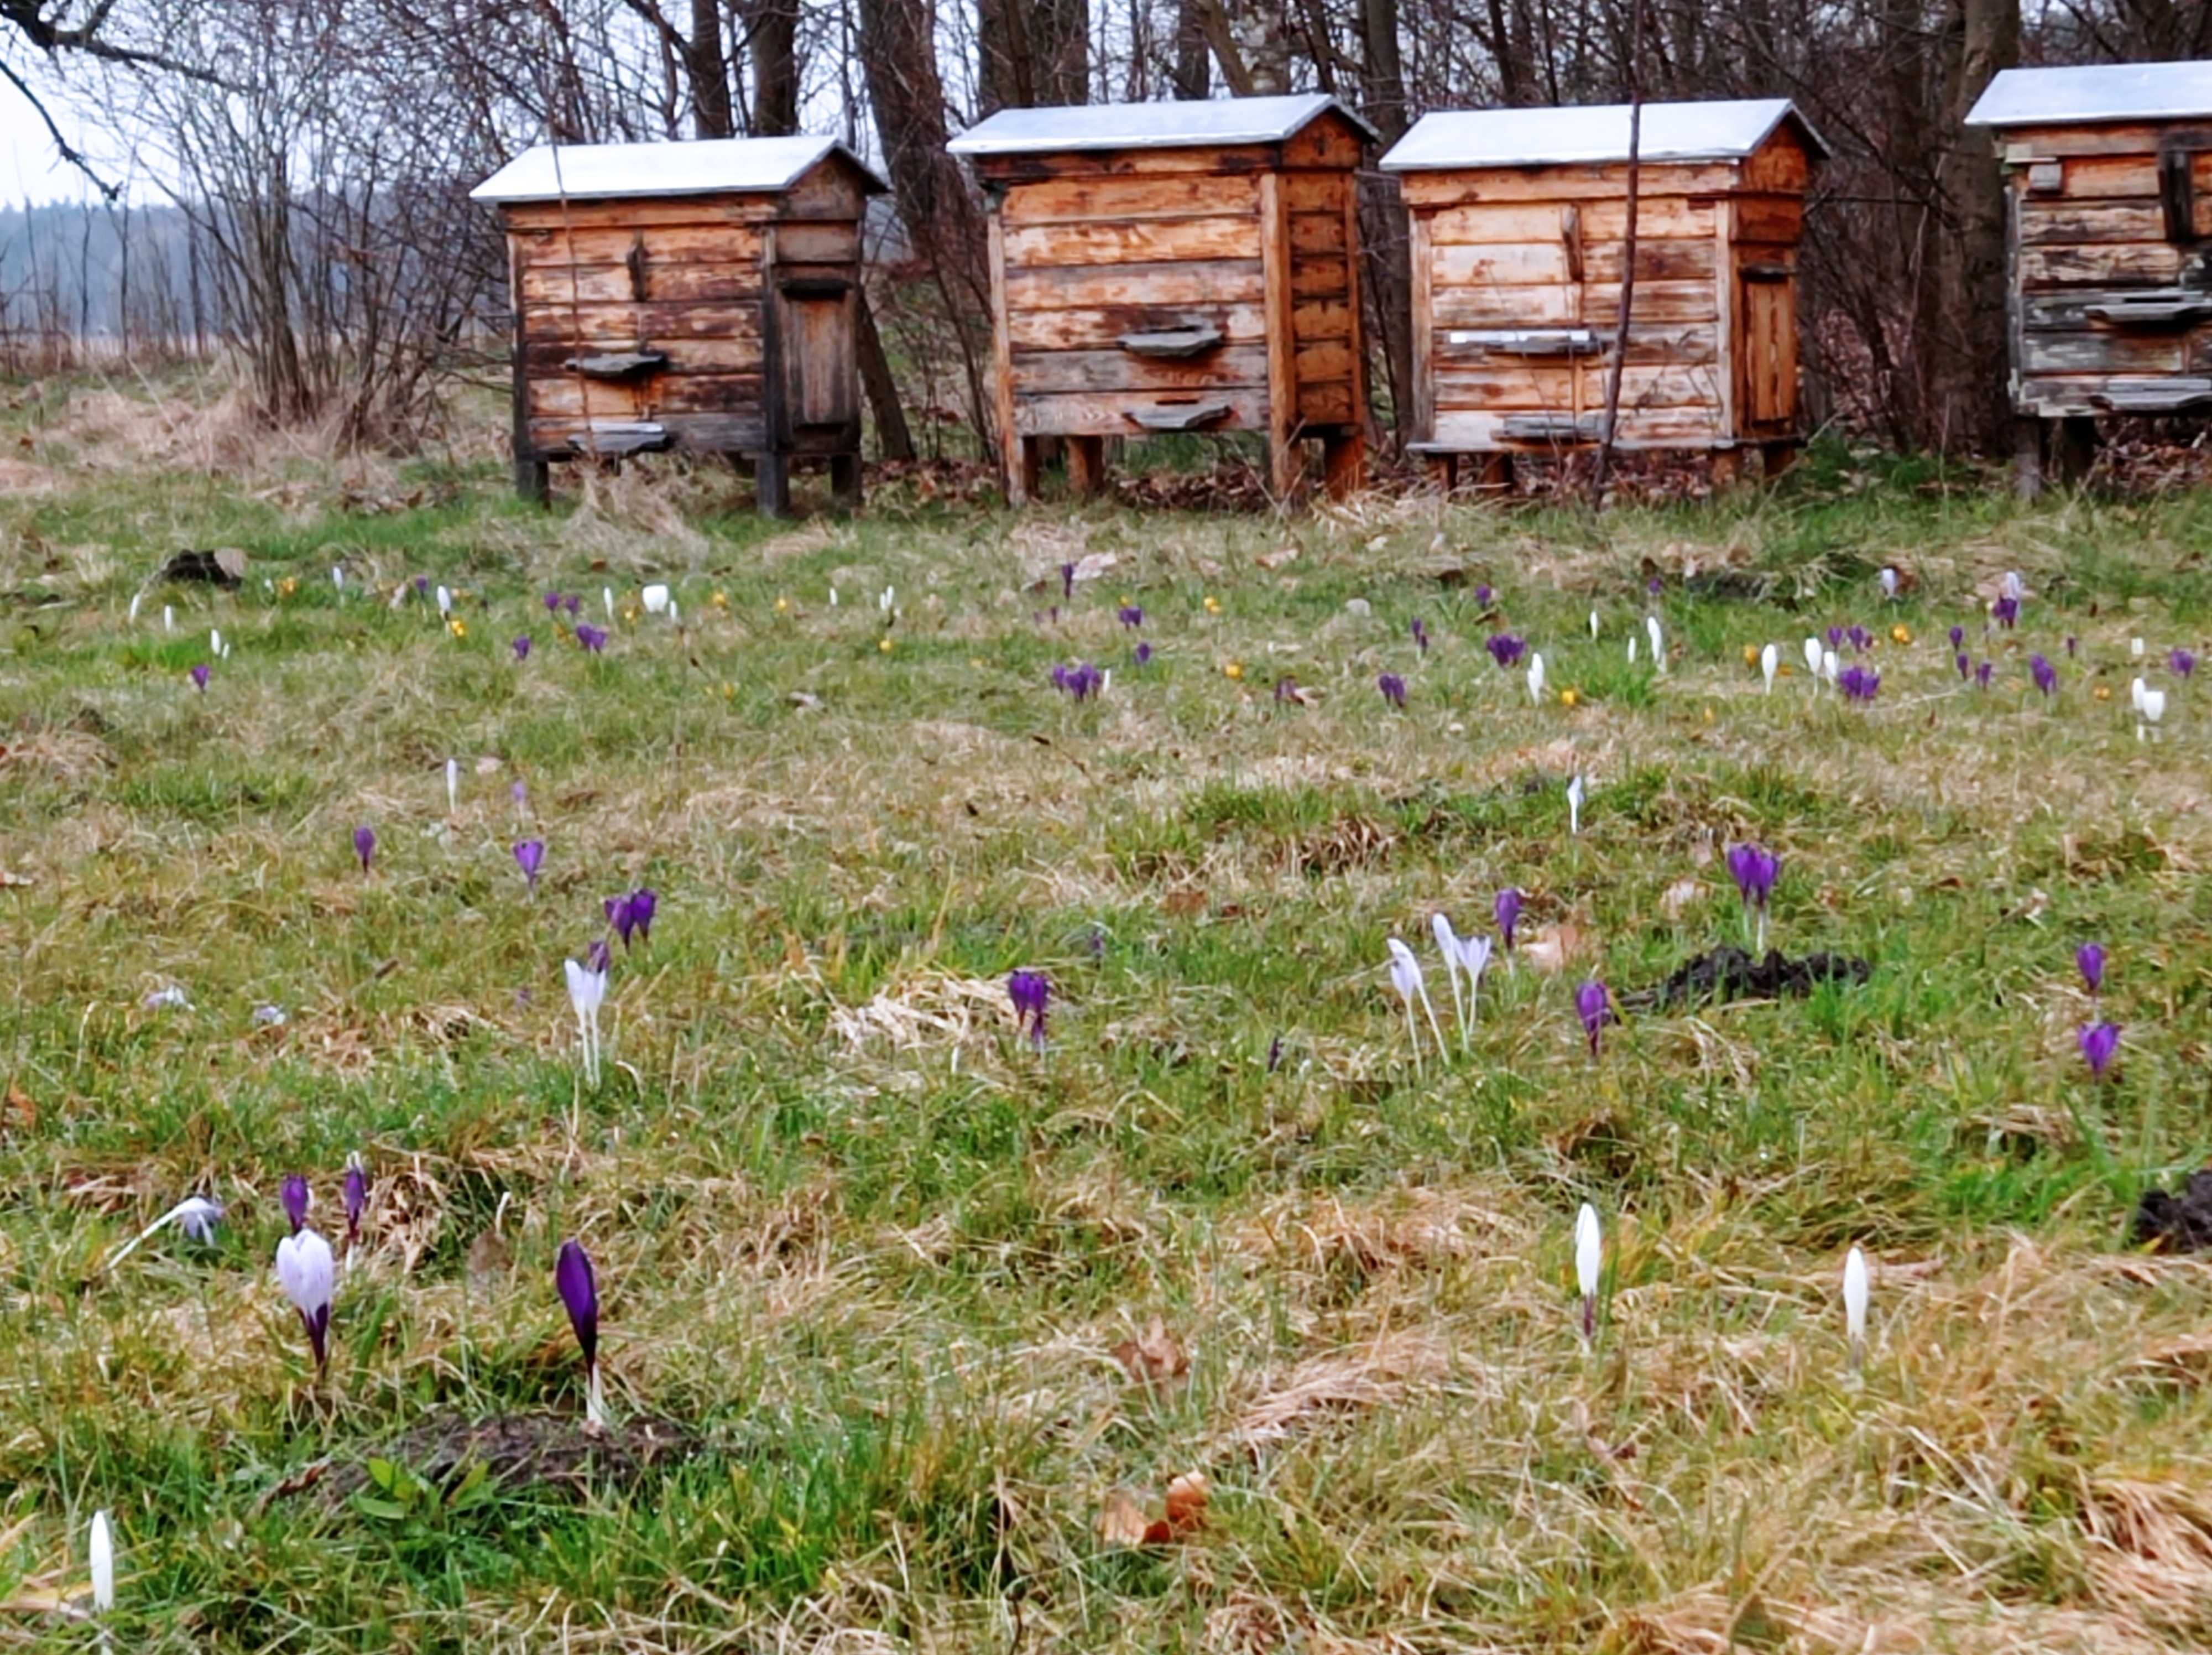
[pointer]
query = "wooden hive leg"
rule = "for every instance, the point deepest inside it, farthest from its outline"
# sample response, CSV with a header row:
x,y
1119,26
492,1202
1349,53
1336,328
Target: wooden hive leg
x,y
1728,469
2074,447
533,478
772,473
1021,469
1443,472
1776,458
1498,475
2027,457
1086,465
845,480
1344,463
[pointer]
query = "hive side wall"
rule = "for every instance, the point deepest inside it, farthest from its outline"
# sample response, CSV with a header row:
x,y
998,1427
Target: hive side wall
x,y
1541,251
2090,233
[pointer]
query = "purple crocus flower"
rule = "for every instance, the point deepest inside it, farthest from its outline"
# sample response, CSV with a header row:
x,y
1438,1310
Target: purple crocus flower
x,y
522,648
1983,673
598,958
2073,648
1483,595
1144,653
364,844
1655,586
552,603
642,903
2089,958
530,856
293,1193
201,674
578,1284
1957,638
421,584
1860,638
1393,688
1508,910
1965,667
2045,674
1067,581
1506,650
2183,663
590,637
572,602
1287,690
1756,871
1031,993
1132,616
2007,610
1595,1007
1274,1054
1835,637
1421,635
1859,684
1080,682
356,1199
2100,1044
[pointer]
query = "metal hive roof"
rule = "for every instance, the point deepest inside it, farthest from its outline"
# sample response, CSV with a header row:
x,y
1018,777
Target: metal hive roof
x,y
1714,130
2094,92
701,167
1148,125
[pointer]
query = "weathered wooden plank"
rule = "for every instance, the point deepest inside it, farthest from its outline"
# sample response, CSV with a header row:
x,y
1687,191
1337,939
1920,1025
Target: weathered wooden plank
x,y
1770,346
1727,320
1340,466
2109,138
823,242
558,284
726,356
1580,182
1540,221
2101,265
1142,241
1051,372
1333,403
2054,396
684,394
1523,264
1329,141
1421,258
2096,178
1315,192
666,244
1124,163
2047,222
2109,351
722,433
1113,413
1315,320
1313,233
1479,431
1688,344
1327,359
1020,478
636,213
1561,305
1779,218
622,323
829,189
814,353
1577,387
2075,309
1319,279
1103,329
1223,281
1088,200
1779,164
1282,345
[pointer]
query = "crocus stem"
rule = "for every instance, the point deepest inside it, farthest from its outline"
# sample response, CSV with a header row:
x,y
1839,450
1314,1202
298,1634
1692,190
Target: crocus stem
x,y
1858,1354
1442,1050
1589,1319
1761,947
595,1401
1414,1038
1467,1023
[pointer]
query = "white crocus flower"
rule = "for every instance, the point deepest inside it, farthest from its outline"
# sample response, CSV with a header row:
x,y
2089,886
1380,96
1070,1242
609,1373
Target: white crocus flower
x,y
1855,1305
1406,977
101,1548
1589,1261
196,1215
452,786
588,989
1658,643
445,601
656,600
1575,804
1448,945
1770,663
1474,959
1536,676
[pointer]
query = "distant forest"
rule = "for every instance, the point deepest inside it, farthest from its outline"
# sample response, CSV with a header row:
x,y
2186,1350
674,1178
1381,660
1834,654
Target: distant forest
x,y
95,271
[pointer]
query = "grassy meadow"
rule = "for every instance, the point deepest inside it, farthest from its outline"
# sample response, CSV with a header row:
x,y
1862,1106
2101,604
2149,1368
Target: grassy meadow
x,y
909,1326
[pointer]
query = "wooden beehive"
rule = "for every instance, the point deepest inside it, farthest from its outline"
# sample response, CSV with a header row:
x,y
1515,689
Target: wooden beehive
x,y
692,296
1517,229
1176,267
2108,172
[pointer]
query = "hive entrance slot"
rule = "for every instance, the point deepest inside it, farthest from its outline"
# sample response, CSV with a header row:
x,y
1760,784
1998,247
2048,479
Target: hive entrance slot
x,y
618,364
1180,415
1174,343
2169,307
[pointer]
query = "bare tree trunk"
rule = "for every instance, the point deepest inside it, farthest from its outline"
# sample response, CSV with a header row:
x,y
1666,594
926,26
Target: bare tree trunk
x,y
1383,238
708,70
1193,68
774,27
1033,52
893,440
1605,441
1977,401
1260,30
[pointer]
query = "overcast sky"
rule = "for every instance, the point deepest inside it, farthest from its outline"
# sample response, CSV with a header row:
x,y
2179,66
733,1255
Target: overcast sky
x,y
30,167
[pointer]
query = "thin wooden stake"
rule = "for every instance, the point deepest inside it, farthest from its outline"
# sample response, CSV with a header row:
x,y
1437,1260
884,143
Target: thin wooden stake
x,y
1627,253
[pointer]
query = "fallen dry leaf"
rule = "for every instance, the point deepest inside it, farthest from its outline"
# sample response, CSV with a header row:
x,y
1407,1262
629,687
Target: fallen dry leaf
x,y
1550,951
1277,559
1154,1356
1184,904
1679,896
1186,1498
1123,1522
20,1112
